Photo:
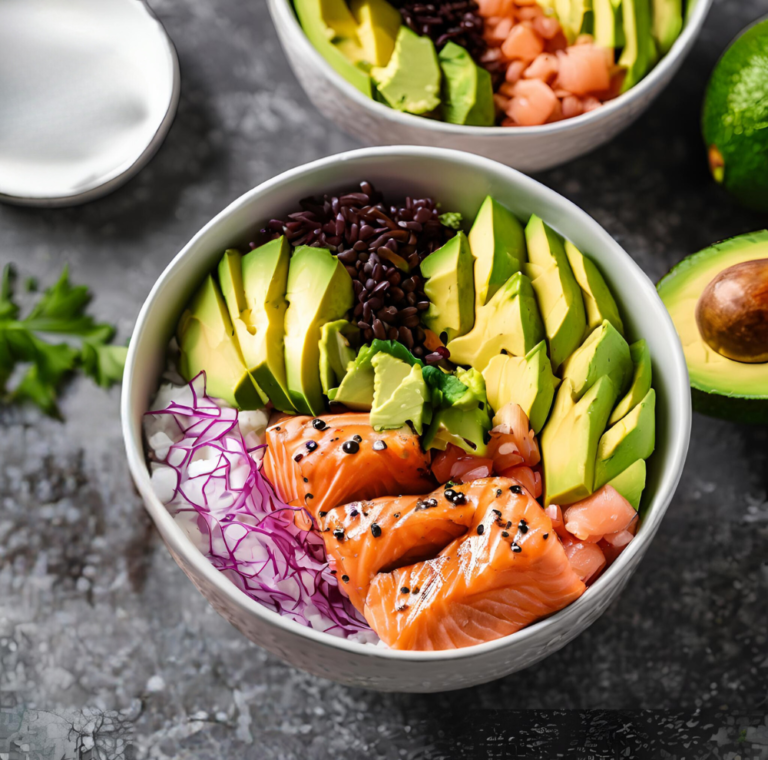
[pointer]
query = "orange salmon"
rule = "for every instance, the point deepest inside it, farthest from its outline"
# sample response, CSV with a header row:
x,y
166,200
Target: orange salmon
x,y
321,462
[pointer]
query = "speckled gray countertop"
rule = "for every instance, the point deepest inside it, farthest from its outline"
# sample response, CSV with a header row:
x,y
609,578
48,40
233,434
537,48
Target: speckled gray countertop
x,y
106,646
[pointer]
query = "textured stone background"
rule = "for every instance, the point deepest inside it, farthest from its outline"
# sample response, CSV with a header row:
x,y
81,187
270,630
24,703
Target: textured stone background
x,y
103,640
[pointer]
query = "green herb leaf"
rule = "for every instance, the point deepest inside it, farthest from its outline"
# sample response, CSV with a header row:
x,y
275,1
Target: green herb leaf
x,y
446,388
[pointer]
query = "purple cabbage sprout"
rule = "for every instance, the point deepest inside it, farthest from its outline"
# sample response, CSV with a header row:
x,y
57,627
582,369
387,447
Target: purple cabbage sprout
x,y
208,474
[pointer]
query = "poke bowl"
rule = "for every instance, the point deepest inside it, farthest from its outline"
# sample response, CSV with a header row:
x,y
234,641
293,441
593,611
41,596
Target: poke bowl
x,y
528,118
333,517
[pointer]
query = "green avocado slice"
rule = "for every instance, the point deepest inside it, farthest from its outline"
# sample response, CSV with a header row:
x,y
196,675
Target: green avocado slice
x,y
667,23
636,58
335,352
630,439
400,394
641,381
319,290
207,342
631,482
467,89
509,322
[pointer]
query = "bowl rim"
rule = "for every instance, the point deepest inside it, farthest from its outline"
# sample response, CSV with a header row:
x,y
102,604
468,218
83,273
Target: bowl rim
x,y
180,544
283,10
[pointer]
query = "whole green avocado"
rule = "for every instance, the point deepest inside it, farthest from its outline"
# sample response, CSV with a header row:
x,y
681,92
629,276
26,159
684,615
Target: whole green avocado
x,y
735,118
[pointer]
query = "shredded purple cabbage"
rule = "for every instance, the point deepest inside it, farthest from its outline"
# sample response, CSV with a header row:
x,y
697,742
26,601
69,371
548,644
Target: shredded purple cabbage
x,y
245,530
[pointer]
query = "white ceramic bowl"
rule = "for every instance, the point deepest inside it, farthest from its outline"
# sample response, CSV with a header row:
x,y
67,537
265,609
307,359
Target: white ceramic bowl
x,y
529,149
459,181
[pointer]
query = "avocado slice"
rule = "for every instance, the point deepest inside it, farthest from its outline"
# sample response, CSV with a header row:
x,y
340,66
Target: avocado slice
x,y
378,24
575,17
319,290
498,247
400,394
322,21
467,89
641,381
557,292
569,441
207,342
509,322
631,483
411,80
630,439
450,288
466,422
527,381
607,17
667,23
604,352
599,302
335,352
720,386
636,57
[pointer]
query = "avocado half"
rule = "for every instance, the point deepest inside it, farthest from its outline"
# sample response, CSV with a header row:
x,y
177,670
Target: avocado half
x,y
720,387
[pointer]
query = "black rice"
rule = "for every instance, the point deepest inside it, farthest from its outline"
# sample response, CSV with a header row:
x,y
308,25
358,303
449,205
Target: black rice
x,y
381,247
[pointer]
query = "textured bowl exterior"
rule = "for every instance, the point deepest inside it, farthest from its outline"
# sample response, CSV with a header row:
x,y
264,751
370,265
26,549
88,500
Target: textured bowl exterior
x,y
528,149
460,181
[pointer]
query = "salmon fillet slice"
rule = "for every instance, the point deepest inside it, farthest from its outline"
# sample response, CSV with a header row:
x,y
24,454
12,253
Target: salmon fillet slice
x,y
507,572
368,537
321,462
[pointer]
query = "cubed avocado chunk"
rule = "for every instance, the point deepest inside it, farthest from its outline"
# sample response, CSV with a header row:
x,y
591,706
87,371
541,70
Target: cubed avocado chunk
x,y
498,247
335,352
598,299
378,24
464,423
321,21
631,483
319,291
509,322
411,80
527,381
208,344
641,381
557,292
260,327
570,439
400,394
667,23
467,89
636,58
450,288
604,352
631,438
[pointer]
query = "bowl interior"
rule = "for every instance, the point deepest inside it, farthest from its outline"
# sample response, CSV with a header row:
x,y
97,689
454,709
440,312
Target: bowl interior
x,y
285,17
459,181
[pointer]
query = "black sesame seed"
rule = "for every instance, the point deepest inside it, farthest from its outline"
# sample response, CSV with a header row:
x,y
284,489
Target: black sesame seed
x,y
522,526
345,578
515,489
351,447
311,445
498,492
545,536
516,548
509,523
277,429
431,503
460,498
338,534
405,590
480,530
353,513
416,590
322,514
357,438
497,513
396,515
379,446
298,457
505,534
319,424
306,480
309,496
449,494
375,530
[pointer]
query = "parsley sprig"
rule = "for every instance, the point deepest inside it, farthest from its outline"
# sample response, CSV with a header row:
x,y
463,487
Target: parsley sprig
x,y
56,338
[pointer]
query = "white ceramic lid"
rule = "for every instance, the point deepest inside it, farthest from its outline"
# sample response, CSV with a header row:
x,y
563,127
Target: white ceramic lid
x,y
88,91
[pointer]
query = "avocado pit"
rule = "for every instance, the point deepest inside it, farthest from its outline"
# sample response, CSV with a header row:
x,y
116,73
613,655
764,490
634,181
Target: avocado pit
x,y
732,312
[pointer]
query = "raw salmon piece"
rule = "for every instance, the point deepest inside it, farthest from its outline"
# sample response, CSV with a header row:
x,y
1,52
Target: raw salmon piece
x,y
408,529
522,43
496,35
583,69
501,102
513,442
558,42
587,560
547,26
555,514
572,106
557,113
591,103
494,7
526,477
544,67
606,511
309,467
514,72
456,465
529,12
533,103
502,576
614,544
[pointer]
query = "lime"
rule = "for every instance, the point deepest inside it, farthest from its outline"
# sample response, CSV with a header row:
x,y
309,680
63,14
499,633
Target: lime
x,y
735,118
